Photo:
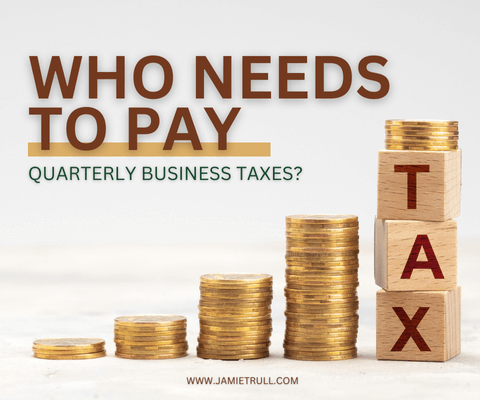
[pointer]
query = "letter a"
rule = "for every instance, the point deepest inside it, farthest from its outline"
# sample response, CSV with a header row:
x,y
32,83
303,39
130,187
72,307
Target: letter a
x,y
412,263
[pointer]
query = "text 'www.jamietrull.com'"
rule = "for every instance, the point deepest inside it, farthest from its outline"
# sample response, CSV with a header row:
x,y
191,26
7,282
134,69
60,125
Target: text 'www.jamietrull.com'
x,y
243,380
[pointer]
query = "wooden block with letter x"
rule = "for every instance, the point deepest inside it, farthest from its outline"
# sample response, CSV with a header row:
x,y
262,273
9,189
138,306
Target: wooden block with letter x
x,y
415,255
419,185
418,326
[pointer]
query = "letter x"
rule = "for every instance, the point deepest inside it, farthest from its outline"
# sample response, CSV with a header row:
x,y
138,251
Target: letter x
x,y
410,329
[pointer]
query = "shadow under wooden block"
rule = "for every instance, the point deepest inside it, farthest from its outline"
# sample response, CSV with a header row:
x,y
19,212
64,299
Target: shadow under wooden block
x,y
418,326
419,185
415,255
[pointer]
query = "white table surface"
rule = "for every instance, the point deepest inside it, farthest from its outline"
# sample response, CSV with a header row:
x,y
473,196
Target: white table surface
x,y
78,291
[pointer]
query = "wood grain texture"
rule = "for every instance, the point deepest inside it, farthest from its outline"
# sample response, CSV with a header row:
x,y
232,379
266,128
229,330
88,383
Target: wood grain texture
x,y
437,191
395,243
437,323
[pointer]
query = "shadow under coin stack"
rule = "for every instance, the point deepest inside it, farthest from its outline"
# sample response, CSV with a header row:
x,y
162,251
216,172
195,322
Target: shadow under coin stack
x,y
321,291
69,348
151,337
235,316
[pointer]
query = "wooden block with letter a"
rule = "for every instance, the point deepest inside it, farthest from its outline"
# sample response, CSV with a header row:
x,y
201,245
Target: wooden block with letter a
x,y
418,326
419,185
415,255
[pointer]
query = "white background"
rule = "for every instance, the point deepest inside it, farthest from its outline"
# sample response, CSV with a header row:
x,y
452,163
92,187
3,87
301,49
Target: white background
x,y
432,51
75,255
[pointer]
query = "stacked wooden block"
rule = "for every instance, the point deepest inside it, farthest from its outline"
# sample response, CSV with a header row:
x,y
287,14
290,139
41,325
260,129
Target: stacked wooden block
x,y
418,308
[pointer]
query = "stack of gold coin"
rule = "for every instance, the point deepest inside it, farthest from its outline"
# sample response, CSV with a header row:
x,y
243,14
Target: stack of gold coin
x,y
235,316
321,291
151,337
404,134
69,348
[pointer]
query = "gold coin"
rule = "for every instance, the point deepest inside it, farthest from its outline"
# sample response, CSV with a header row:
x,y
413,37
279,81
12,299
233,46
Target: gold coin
x,y
229,340
322,279
238,304
151,320
320,358
123,332
232,315
150,357
311,353
237,286
85,356
316,288
233,296
307,316
322,325
147,342
420,122
337,291
420,148
324,251
229,319
314,310
235,336
234,324
321,341
318,273
88,344
150,338
421,129
67,352
321,258
236,279
223,291
232,352
158,347
234,347
227,328
318,349
326,219
160,330
418,142
311,263
171,350
411,136
241,357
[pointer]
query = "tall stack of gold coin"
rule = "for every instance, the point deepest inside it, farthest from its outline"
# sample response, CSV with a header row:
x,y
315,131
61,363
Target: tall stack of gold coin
x,y
403,134
235,316
69,348
321,291
151,337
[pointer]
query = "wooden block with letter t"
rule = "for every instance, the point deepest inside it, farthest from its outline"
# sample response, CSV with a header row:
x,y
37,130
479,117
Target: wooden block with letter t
x,y
419,185
418,326
415,255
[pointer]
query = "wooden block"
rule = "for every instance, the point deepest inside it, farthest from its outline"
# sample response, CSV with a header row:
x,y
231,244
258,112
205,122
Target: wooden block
x,y
415,255
418,326
419,185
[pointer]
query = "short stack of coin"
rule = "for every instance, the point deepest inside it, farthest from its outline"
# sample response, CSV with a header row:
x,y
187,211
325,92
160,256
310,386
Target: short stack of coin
x,y
235,316
321,291
423,135
69,348
151,337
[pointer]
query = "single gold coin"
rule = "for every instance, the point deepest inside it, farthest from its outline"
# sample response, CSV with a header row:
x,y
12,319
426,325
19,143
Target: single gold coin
x,y
326,219
422,137
227,328
311,353
242,357
85,356
420,128
150,357
172,350
418,142
150,338
233,296
147,342
312,280
235,324
150,320
88,344
236,279
161,330
122,332
233,347
223,291
204,338
320,358
322,341
237,319
235,336
158,347
420,148
235,316
420,122
232,352
239,304
307,316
